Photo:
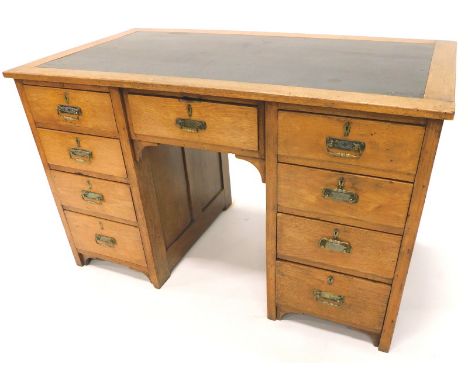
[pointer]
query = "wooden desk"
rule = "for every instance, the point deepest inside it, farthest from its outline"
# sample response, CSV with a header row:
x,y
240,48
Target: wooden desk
x,y
133,132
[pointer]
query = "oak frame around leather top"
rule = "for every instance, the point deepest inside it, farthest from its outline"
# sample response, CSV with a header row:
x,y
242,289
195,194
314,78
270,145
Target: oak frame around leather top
x,y
438,101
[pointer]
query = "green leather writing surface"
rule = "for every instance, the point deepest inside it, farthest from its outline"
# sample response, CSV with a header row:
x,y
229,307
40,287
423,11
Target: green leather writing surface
x,y
382,67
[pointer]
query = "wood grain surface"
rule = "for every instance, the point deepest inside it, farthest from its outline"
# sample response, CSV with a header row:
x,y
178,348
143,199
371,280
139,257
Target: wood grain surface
x,y
229,125
434,105
418,197
364,301
373,254
117,201
382,203
391,149
106,152
128,245
97,116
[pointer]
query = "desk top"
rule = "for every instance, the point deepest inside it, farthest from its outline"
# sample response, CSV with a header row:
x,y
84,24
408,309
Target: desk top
x,y
395,76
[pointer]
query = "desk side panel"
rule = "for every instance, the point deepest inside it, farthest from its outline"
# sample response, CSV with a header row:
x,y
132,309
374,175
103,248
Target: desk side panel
x,y
27,108
421,183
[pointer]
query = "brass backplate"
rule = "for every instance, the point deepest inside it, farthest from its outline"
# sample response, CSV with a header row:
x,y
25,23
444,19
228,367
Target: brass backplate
x,y
191,125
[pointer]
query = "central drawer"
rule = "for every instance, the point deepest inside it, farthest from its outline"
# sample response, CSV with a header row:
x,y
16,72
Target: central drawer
x,y
361,201
194,121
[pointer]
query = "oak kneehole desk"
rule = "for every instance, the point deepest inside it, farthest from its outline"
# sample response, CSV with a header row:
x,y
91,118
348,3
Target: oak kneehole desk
x,y
133,132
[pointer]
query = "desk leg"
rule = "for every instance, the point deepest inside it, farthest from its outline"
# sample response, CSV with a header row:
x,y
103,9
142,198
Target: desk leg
x,y
226,181
271,168
148,218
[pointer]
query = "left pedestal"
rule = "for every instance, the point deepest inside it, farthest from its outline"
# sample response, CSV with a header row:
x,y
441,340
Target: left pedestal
x,y
143,212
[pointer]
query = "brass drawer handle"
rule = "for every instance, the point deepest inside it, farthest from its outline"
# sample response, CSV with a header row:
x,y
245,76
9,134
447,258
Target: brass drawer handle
x,y
344,148
335,244
80,155
329,298
105,241
191,125
92,197
349,149
69,113
340,194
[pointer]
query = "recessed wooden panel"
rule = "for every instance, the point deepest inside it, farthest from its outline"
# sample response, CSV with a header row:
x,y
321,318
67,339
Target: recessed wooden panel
x,y
204,173
363,301
227,125
183,192
106,152
128,246
382,203
170,181
96,113
391,149
117,197
372,254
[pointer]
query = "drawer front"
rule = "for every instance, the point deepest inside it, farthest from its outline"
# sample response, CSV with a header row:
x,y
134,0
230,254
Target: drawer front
x,y
76,110
109,239
83,152
389,150
94,195
217,123
360,201
345,299
341,248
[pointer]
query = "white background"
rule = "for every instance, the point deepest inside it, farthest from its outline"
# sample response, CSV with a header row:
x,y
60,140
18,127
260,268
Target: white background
x,y
62,322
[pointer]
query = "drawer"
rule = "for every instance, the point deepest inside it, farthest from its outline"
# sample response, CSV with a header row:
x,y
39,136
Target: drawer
x,y
95,196
83,152
333,296
355,200
337,247
105,238
389,150
220,124
75,110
